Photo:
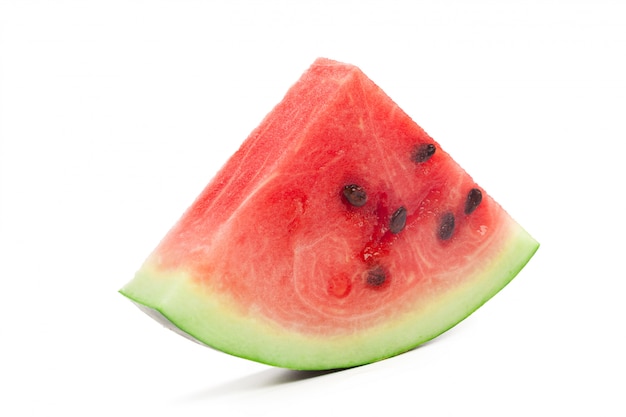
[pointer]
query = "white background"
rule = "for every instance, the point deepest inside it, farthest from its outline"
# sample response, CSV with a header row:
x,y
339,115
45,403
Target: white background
x,y
115,114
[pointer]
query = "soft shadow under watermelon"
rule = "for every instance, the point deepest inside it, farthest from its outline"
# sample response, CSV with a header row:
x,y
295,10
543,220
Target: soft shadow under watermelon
x,y
268,378
272,378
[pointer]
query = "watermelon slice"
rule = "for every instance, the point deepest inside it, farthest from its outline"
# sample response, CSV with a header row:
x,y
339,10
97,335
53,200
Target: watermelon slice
x,y
339,234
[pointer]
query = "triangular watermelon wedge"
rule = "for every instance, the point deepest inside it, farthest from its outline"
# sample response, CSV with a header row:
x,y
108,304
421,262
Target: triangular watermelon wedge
x,y
339,234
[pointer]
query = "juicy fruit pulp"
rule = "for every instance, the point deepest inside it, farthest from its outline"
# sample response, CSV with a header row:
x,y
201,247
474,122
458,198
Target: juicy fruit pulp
x,y
339,233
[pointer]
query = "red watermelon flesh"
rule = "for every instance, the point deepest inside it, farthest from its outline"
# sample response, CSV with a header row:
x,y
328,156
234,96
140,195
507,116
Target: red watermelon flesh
x,y
339,234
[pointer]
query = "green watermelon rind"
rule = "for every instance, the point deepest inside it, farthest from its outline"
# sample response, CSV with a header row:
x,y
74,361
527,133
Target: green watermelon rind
x,y
181,304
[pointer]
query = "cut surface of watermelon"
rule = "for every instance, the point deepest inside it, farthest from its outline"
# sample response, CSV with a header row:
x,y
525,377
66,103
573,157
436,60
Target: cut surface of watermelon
x,y
339,234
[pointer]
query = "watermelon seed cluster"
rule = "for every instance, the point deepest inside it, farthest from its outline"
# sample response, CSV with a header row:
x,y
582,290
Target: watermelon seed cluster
x,y
356,196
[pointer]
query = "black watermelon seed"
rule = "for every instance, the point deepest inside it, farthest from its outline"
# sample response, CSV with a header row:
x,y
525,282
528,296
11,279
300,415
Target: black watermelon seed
x,y
474,197
376,277
422,153
446,226
398,221
355,195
